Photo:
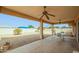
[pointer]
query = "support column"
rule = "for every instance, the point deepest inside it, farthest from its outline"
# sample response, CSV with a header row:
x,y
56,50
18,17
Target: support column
x,y
77,34
73,28
52,29
77,31
41,30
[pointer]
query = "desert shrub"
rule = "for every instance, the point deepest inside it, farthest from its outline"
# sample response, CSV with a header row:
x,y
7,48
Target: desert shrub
x,y
17,31
37,30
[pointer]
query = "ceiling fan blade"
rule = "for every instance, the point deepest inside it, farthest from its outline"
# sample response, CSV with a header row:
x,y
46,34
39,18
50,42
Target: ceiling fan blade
x,y
41,17
47,16
51,14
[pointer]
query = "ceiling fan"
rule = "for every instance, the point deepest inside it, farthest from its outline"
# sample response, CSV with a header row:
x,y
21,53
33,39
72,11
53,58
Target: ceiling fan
x,y
46,14
60,21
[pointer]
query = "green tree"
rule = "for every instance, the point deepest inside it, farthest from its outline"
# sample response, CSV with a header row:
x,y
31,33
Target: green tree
x,y
17,31
30,26
50,27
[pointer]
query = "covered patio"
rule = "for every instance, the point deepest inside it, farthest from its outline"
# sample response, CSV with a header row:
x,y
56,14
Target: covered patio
x,y
63,15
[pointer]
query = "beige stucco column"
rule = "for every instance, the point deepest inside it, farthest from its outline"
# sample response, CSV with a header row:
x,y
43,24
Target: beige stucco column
x,y
73,28
77,32
41,30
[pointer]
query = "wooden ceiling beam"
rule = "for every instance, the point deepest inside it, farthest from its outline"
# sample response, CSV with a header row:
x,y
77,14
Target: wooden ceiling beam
x,y
65,22
0,8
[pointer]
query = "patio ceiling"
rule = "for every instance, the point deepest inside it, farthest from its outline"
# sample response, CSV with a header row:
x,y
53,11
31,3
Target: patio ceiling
x,y
67,14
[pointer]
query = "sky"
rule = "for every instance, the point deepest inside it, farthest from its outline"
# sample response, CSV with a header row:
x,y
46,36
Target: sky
x,y
13,21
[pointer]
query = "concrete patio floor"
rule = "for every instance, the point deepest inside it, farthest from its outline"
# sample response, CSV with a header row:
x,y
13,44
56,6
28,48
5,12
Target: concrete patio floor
x,y
52,44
